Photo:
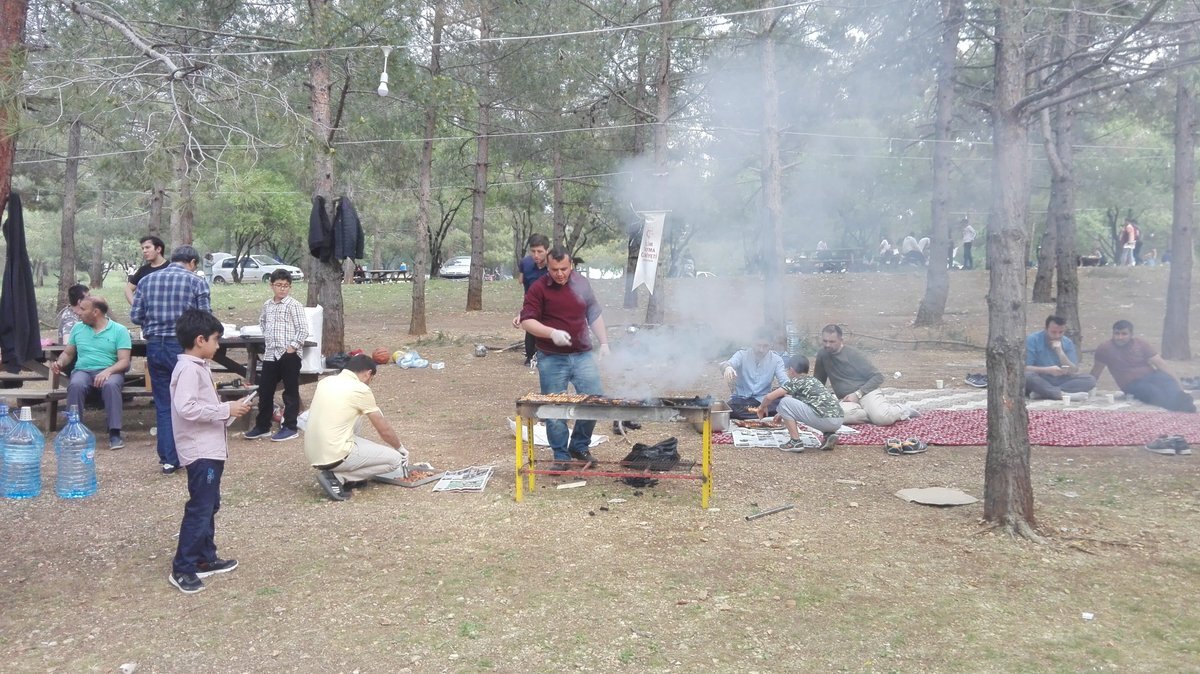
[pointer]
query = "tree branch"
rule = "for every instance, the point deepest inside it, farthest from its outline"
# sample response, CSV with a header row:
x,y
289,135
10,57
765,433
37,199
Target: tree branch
x,y
173,71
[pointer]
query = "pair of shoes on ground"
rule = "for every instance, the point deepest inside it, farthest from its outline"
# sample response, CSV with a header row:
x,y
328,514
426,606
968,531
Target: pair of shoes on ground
x,y
115,441
282,435
190,583
976,380
1169,445
332,486
896,446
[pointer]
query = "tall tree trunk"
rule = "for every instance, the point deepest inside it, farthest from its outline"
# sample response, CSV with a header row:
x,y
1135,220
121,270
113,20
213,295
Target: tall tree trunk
x,y
479,193
96,270
558,208
183,205
325,287
417,323
772,177
937,276
656,307
12,64
158,196
70,207
1175,343
637,149
1008,492
1062,215
1047,251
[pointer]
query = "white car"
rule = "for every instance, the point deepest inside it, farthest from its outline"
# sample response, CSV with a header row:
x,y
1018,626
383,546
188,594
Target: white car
x,y
254,268
456,267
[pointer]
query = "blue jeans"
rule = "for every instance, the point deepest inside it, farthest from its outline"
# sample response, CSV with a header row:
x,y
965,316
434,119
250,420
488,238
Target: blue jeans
x,y
555,372
197,531
161,355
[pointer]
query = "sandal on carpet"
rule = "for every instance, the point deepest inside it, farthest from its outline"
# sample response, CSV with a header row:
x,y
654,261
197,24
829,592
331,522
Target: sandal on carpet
x,y
1163,444
913,446
894,446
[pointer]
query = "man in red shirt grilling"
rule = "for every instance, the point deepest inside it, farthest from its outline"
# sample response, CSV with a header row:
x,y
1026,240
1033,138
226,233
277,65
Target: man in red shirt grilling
x,y
562,313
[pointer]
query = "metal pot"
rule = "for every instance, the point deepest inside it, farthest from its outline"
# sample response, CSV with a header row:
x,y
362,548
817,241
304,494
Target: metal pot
x,y
719,414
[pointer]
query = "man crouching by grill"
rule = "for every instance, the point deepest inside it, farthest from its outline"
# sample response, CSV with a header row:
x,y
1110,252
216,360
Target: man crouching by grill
x,y
344,460
559,309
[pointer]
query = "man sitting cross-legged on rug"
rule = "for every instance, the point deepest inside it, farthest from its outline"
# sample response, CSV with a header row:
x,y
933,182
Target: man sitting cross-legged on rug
x,y
750,373
1139,371
342,459
856,382
1052,364
804,399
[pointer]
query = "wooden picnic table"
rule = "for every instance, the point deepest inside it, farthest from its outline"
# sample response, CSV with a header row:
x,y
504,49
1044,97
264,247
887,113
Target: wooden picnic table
x,y
385,275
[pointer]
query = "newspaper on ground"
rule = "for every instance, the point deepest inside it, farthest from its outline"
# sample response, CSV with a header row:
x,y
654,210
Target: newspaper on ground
x,y
471,479
751,437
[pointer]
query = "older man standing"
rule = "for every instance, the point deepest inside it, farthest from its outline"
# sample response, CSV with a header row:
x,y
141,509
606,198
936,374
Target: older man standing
x,y
159,301
856,382
100,348
559,309
1052,364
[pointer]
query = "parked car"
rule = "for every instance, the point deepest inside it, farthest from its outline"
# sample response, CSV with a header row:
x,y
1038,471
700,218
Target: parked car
x,y
456,267
254,268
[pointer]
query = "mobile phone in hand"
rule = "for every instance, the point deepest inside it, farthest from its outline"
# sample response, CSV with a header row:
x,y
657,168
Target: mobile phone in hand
x,y
250,397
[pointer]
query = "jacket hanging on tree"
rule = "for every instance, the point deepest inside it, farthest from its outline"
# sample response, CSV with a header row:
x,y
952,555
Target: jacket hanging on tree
x,y
20,335
335,241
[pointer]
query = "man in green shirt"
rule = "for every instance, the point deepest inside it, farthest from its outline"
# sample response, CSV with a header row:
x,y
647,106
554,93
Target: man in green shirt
x,y
100,348
856,382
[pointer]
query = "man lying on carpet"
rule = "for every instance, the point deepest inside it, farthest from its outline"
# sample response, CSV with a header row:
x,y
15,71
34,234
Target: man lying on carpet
x,y
856,382
750,372
1052,364
1139,371
804,399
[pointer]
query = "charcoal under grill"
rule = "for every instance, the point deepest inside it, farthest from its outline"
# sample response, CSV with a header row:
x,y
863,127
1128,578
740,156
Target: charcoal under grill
x,y
693,409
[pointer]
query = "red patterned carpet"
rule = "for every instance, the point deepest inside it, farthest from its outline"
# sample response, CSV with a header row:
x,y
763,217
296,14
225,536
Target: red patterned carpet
x,y
1056,428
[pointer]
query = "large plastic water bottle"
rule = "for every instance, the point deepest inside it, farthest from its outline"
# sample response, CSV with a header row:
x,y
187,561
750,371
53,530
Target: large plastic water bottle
x,y
6,425
793,338
21,472
75,450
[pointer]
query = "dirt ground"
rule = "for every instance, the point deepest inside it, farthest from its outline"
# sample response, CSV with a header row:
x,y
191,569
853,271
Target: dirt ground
x,y
608,578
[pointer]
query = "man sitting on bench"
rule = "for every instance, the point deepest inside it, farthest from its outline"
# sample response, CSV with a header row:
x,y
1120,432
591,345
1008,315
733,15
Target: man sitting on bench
x,y
100,348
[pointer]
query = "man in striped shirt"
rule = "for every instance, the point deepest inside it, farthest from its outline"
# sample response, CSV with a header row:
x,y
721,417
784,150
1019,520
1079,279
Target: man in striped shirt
x,y
158,302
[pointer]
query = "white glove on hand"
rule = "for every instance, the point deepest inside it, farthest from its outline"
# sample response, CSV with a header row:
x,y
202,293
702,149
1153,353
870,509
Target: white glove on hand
x,y
730,373
560,338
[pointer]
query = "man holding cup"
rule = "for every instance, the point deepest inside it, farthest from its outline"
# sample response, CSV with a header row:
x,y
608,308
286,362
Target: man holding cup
x,y
1052,365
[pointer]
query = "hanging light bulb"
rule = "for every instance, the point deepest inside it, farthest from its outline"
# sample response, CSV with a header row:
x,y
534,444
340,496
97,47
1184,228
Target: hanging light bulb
x,y
383,76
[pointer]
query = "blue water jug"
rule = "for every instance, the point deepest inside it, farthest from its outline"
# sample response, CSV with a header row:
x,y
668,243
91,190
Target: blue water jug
x,y
21,472
75,451
6,425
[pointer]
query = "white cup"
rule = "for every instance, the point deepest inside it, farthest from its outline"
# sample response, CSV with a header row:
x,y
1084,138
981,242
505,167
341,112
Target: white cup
x,y
1112,399
1066,400
939,383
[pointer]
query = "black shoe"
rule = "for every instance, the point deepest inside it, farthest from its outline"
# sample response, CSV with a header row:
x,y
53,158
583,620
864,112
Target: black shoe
x,y
584,456
167,469
976,380
333,488
562,465
206,569
187,583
